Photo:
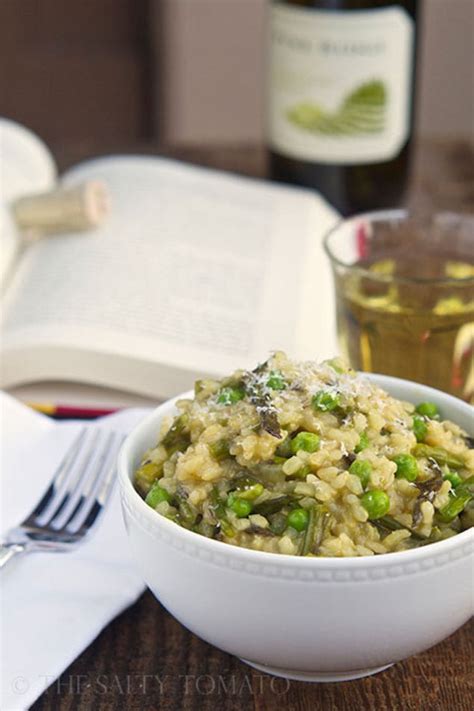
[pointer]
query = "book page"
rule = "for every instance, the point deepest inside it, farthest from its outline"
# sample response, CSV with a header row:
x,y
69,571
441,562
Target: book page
x,y
195,269
26,167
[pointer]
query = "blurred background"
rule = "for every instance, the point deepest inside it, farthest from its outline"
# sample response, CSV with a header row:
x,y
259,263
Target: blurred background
x,y
108,75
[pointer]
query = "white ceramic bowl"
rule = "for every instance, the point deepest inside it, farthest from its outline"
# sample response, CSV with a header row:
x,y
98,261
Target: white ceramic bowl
x,y
316,619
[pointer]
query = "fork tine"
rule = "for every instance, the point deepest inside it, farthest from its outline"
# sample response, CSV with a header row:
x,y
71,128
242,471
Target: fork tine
x,y
78,509
100,491
59,476
71,477
80,490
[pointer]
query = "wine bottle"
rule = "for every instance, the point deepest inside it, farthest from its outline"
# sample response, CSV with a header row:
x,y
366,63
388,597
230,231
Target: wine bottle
x,y
340,98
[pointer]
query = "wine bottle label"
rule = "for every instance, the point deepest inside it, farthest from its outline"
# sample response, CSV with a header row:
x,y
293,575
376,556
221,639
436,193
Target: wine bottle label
x,y
340,83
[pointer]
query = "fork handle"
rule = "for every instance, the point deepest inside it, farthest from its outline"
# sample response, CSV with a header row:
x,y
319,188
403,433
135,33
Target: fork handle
x,y
9,551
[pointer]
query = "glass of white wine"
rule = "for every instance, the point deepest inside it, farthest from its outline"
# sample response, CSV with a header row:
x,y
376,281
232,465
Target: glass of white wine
x,y
405,296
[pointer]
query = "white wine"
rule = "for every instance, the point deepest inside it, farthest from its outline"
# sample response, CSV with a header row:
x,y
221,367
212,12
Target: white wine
x,y
340,98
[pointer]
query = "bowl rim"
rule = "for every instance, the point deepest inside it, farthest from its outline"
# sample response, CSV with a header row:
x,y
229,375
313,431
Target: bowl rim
x,y
263,557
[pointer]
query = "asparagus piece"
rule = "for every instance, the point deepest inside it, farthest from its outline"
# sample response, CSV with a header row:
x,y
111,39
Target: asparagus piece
x,y
177,438
318,518
217,507
271,506
146,475
388,523
440,455
220,449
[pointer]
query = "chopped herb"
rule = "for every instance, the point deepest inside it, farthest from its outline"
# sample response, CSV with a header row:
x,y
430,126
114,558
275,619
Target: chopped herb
x,y
260,397
349,458
217,508
428,490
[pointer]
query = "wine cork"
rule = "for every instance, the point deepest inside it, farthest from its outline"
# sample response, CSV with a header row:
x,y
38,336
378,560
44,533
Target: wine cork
x,y
77,208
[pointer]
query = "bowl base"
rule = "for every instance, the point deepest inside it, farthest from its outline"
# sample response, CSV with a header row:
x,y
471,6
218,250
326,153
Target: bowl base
x,y
321,677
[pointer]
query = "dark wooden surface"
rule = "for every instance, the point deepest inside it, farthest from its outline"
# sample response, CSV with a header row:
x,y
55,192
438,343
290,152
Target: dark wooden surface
x,y
147,660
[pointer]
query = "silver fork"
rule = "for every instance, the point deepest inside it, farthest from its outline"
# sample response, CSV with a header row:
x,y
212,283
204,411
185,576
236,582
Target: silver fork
x,y
74,500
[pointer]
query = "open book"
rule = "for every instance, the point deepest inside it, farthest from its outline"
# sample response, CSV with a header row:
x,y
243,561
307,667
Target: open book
x,y
195,273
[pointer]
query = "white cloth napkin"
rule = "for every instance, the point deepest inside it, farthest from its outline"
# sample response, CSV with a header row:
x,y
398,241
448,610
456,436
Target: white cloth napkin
x,y
54,604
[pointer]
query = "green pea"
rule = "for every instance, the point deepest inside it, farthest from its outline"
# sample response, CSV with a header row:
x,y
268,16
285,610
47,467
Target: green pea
x,y
240,507
454,478
298,519
428,409
420,428
363,443
276,381
229,396
362,469
156,495
407,467
376,503
325,401
307,441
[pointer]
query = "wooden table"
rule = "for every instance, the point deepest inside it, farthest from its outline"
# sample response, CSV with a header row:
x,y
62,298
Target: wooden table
x,y
146,660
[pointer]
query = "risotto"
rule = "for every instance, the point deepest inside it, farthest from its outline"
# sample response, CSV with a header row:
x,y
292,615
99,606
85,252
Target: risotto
x,y
310,460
